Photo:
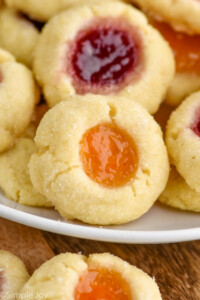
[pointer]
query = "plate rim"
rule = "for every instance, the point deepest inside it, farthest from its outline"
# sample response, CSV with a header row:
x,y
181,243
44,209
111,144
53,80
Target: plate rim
x,y
97,233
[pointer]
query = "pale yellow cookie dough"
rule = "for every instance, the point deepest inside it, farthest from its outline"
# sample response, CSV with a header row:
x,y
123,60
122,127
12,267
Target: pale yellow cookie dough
x,y
58,277
54,46
45,9
183,85
56,169
18,94
181,14
183,143
14,174
13,275
178,194
17,35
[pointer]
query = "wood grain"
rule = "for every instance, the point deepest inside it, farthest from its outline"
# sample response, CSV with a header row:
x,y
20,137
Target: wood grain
x,y
25,242
174,266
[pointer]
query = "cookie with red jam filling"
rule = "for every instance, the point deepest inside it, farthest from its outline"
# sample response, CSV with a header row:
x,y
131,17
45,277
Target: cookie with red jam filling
x,y
183,140
106,50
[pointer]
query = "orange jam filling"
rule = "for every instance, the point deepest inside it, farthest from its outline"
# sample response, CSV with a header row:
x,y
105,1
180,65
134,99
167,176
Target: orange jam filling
x,y
102,284
108,155
186,48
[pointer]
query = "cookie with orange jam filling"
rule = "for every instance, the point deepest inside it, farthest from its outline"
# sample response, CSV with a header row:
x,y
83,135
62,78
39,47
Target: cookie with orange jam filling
x,y
17,35
178,21
187,56
96,49
183,140
13,275
99,276
45,9
18,94
183,15
14,174
98,160
178,194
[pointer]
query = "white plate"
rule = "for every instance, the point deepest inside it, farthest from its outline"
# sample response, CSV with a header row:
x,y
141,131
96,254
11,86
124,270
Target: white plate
x,y
159,225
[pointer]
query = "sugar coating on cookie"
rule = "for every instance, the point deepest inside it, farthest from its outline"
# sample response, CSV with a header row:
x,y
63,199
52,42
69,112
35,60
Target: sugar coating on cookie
x,y
18,94
14,174
182,15
183,140
67,276
98,160
100,50
45,9
178,194
18,35
13,275
187,56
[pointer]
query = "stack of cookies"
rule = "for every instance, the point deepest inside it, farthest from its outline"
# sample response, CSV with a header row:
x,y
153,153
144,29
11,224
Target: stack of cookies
x,y
88,145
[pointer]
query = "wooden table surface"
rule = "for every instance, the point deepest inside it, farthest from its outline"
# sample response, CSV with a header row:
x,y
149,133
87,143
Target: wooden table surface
x,y
176,267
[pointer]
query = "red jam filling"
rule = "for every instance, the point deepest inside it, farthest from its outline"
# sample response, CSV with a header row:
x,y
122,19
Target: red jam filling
x,y
186,48
109,155
105,56
196,125
2,280
102,284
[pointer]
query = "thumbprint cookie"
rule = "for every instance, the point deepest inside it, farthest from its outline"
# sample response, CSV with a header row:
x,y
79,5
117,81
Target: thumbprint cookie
x,y
179,23
45,9
178,194
13,275
98,160
18,94
98,49
99,276
187,56
183,140
18,35
183,15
